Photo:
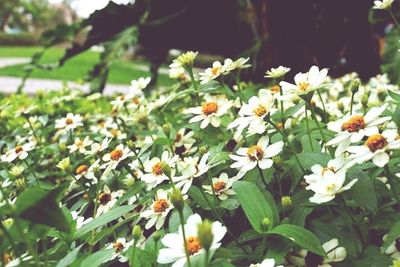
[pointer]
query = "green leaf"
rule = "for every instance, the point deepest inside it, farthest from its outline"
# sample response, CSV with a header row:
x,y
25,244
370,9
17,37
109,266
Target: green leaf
x,y
393,234
97,258
69,258
174,220
214,87
40,206
113,214
307,160
136,188
254,204
300,236
197,196
394,96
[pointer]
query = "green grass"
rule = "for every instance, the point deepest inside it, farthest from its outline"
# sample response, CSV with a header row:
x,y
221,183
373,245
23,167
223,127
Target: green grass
x,y
121,72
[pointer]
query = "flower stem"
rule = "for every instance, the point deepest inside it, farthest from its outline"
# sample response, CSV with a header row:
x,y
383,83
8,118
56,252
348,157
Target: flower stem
x,y
351,103
184,237
282,109
323,104
391,180
308,128
33,130
394,18
262,177
190,71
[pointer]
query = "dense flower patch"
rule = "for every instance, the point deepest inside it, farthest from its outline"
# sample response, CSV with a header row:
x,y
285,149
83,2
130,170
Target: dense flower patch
x,y
211,171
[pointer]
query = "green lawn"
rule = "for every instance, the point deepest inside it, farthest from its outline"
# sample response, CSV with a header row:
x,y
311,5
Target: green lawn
x,y
122,72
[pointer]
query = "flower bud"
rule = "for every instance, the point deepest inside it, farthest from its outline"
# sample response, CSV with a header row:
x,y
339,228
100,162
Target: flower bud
x,y
364,100
20,184
286,201
166,129
205,235
187,59
266,223
136,232
62,147
8,222
64,164
131,145
156,235
177,199
355,85
203,150
277,160
166,169
17,171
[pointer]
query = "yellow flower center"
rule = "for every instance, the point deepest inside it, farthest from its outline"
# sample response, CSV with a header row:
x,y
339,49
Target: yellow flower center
x,y
215,70
354,124
81,169
178,137
219,185
376,142
303,86
116,154
118,246
122,98
331,187
6,258
69,121
136,101
255,153
104,198
193,245
328,169
160,205
157,169
275,89
114,132
260,110
209,108
18,149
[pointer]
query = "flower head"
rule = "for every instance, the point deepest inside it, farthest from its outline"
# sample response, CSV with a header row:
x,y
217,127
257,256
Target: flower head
x,y
278,72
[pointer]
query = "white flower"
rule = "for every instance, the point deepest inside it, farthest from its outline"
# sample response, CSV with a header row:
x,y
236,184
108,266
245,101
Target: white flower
x,y
154,173
376,147
96,148
120,101
221,186
80,145
384,4
230,65
174,251
184,141
307,258
211,110
87,172
113,158
277,72
70,122
304,83
121,246
186,59
257,155
212,73
266,263
107,200
393,249
80,220
20,152
139,84
191,167
158,210
328,181
353,128
252,114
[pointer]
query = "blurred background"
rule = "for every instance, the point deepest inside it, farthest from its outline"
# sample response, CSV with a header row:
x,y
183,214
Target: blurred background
x,y
102,42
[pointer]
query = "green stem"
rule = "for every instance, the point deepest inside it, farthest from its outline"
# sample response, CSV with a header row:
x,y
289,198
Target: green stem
x,y
262,177
351,103
184,237
32,171
282,109
322,101
33,130
190,71
308,128
391,180
394,18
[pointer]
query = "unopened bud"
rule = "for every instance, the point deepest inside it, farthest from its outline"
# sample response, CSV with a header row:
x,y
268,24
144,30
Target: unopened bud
x,y
203,150
277,160
136,232
20,184
177,199
364,100
266,223
355,85
17,171
166,169
62,147
286,201
166,129
205,235
156,235
340,106
64,164
131,145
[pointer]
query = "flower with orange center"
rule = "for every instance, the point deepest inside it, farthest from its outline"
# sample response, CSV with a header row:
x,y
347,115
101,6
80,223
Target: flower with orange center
x,y
193,245
209,108
255,153
275,89
303,86
18,149
218,186
221,186
118,246
354,124
160,205
260,110
104,198
81,169
116,154
215,70
69,121
376,142
157,169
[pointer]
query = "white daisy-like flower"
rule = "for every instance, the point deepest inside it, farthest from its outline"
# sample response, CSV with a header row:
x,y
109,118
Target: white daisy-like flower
x,y
80,220
393,249
257,155
212,73
120,101
252,114
80,145
107,200
113,158
191,167
139,84
353,128
70,122
307,258
211,111
121,246
88,171
278,72
183,142
328,181
304,83
96,148
154,173
158,210
383,4
377,147
221,186
20,152
174,251
230,65
113,132
265,263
